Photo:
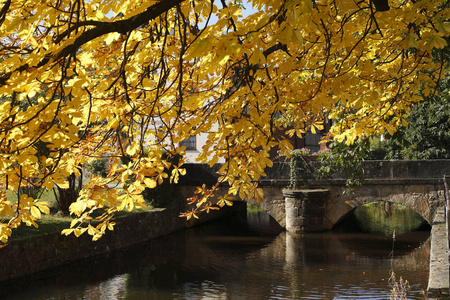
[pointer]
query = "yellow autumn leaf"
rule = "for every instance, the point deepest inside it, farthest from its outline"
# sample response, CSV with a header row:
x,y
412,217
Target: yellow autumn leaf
x,y
434,40
35,212
150,183
43,206
443,27
67,231
111,226
92,230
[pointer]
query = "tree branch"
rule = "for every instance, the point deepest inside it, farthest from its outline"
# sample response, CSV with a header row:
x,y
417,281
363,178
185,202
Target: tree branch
x,y
4,10
101,28
276,47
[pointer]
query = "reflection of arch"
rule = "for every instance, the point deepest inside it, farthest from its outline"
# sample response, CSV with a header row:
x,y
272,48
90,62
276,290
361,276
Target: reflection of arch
x,y
379,245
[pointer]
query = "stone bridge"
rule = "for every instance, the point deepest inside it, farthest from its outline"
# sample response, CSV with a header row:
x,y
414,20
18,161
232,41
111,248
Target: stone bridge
x,y
416,184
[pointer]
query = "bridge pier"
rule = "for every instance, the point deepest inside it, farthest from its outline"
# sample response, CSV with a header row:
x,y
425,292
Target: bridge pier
x,y
305,210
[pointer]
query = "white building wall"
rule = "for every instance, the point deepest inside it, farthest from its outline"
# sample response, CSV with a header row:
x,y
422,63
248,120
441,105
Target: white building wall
x,y
191,154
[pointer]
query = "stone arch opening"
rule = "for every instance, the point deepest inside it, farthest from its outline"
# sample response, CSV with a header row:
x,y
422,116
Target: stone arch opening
x,y
382,217
262,221
275,212
273,204
423,199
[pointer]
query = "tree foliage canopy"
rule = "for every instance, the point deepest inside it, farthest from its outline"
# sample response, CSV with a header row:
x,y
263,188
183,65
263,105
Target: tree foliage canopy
x,y
126,79
427,135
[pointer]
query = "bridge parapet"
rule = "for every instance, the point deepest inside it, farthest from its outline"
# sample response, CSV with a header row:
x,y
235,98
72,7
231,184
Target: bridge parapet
x,y
438,281
382,171
375,171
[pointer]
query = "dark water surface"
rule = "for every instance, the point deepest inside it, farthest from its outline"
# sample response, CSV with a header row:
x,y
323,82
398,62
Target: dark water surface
x,y
244,257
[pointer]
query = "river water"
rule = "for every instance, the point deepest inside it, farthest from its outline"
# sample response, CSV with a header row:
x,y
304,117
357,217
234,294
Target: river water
x,y
241,257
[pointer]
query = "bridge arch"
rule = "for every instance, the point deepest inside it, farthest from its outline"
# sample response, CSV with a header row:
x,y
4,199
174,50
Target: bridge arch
x,y
273,204
424,199
383,217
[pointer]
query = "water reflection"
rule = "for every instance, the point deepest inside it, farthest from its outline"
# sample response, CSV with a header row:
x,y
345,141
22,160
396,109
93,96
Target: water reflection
x,y
353,270
110,289
246,257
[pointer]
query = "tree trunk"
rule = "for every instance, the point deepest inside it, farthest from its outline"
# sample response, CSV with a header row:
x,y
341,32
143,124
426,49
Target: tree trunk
x,y
66,197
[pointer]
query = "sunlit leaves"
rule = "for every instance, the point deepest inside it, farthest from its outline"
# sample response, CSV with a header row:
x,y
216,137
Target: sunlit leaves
x,y
128,81
39,207
189,214
225,200
5,232
434,40
176,172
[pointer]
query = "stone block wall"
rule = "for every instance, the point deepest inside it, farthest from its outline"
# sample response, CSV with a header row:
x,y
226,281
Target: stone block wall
x,y
26,256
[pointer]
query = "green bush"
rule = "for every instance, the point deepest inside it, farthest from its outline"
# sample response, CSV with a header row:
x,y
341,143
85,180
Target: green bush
x,y
344,160
34,192
160,196
427,135
98,167
301,171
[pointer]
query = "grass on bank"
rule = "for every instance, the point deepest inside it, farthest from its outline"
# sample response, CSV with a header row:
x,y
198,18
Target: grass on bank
x,y
48,224
55,222
253,209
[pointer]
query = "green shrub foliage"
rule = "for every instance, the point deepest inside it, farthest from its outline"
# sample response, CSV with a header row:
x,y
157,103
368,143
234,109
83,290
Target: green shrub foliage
x,y
98,167
427,135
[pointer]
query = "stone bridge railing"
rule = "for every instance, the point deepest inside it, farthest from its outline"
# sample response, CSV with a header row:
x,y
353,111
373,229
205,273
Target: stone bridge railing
x,y
379,171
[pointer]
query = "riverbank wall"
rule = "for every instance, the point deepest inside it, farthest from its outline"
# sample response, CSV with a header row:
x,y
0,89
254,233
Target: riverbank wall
x,y
438,281
30,255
